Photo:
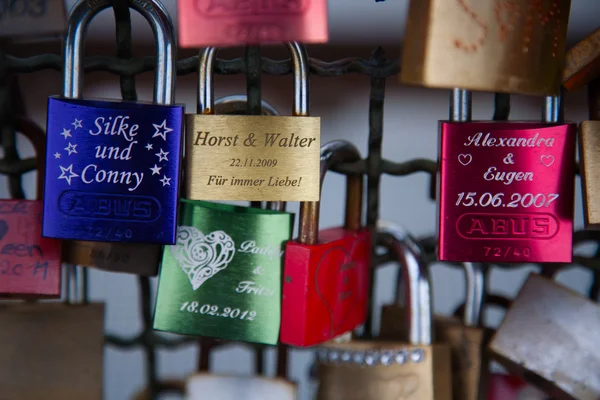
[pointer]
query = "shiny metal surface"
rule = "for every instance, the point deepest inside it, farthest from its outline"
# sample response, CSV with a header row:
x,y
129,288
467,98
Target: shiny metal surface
x,y
79,18
460,105
415,273
475,293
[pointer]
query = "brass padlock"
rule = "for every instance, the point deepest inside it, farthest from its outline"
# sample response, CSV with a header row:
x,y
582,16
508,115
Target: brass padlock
x,y
51,350
385,370
582,64
512,46
548,337
466,339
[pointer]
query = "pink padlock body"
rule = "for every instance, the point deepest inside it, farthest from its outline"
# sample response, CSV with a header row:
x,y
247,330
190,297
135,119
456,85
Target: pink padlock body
x,y
325,287
205,23
29,263
506,192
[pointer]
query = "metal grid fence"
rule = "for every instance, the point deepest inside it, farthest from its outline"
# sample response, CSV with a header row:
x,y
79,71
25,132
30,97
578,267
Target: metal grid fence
x,y
377,68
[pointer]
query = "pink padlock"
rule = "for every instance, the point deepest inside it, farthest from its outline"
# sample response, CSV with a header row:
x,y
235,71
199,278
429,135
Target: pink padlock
x,y
221,23
506,188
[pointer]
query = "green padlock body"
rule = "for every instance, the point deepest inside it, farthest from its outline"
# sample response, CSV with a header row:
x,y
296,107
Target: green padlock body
x,y
223,277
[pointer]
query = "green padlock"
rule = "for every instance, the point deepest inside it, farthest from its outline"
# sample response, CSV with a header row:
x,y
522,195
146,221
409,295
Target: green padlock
x,y
223,277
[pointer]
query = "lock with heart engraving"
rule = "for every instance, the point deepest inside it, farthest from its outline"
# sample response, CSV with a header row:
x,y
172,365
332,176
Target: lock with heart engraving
x,y
466,338
514,46
326,275
389,370
32,19
506,188
30,265
112,168
205,23
53,350
252,157
546,338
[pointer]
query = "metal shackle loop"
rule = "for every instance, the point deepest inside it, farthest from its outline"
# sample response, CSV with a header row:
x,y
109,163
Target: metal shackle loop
x,y
155,13
415,274
206,89
460,105
475,293
553,109
332,153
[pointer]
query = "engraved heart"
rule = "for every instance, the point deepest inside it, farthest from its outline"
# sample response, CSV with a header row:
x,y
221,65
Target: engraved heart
x,y
547,160
465,159
338,283
200,256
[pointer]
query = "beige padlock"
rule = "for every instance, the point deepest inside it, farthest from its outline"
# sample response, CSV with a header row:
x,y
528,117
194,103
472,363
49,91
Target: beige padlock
x,y
389,370
549,337
52,350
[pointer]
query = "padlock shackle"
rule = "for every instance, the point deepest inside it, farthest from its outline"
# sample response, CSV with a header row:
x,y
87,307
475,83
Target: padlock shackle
x,y
475,293
75,284
415,275
166,46
460,105
553,109
334,152
35,134
206,89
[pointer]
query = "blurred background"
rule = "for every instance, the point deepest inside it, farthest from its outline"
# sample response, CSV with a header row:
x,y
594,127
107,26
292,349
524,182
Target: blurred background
x,y
357,27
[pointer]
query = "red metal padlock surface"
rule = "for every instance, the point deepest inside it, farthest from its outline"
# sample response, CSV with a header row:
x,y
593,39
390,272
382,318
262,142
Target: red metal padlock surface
x,y
506,192
29,264
326,276
204,23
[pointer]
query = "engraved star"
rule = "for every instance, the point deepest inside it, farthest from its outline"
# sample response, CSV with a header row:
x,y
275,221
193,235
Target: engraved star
x,y
69,169
71,148
165,181
57,155
161,130
148,147
162,155
156,170
66,133
77,123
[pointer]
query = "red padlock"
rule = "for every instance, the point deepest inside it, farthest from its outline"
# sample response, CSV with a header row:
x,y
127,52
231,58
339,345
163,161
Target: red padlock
x,y
29,264
326,274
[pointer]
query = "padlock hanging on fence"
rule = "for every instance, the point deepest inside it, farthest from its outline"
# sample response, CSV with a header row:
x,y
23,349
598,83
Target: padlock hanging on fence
x,y
223,277
205,23
506,188
252,157
416,368
326,276
492,46
30,265
112,167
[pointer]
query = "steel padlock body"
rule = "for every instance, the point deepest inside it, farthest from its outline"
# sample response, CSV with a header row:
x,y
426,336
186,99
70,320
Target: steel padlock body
x,y
30,265
325,287
32,18
548,338
494,46
112,171
51,351
589,152
138,259
223,278
205,23
383,371
506,192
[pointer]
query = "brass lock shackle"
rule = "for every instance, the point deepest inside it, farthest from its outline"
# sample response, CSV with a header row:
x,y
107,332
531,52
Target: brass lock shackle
x,y
332,153
415,275
166,46
206,89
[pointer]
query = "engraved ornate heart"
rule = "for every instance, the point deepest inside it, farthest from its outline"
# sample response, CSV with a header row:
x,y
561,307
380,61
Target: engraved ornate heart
x,y
200,256
465,159
547,160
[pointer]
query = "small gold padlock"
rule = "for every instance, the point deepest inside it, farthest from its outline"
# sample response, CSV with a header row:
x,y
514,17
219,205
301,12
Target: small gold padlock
x,y
494,46
384,370
582,63
50,350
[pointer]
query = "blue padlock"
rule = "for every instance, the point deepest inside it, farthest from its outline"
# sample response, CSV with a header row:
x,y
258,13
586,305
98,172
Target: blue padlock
x,y
112,169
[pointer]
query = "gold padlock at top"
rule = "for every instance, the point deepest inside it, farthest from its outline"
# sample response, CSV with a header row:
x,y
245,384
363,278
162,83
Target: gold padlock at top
x,y
512,46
